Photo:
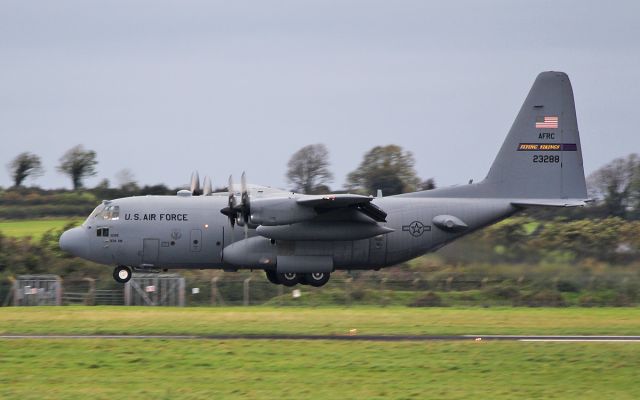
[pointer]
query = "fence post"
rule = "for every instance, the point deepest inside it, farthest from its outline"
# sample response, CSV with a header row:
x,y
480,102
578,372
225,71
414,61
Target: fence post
x,y
181,289
383,292
214,290
127,293
245,297
280,294
58,291
14,291
347,290
91,296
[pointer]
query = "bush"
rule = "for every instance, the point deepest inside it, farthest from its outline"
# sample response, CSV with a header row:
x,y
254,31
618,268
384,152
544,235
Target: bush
x,y
588,300
567,286
430,299
543,298
503,292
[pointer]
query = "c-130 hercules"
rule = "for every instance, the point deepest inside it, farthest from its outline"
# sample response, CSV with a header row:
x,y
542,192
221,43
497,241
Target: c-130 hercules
x,y
298,238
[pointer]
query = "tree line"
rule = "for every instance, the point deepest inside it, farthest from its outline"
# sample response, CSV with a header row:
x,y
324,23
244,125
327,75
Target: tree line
x,y
615,187
77,163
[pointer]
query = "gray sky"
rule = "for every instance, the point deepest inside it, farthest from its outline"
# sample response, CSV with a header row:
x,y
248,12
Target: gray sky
x,y
167,87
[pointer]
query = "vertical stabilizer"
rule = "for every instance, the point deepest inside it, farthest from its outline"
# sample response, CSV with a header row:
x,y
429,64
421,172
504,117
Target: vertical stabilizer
x,y
541,156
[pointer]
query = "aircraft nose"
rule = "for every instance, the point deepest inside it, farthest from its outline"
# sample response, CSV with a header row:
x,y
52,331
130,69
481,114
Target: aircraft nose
x,y
74,241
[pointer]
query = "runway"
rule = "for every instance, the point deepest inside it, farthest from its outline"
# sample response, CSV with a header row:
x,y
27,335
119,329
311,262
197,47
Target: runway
x,y
352,337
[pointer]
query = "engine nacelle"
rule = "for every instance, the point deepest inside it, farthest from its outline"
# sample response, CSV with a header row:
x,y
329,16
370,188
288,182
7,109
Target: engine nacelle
x,y
279,211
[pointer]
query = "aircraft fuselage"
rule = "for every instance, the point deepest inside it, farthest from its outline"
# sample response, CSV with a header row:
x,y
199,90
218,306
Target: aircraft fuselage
x,y
174,232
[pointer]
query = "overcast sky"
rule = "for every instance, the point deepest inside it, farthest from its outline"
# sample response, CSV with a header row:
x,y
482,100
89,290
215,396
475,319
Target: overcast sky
x,y
166,87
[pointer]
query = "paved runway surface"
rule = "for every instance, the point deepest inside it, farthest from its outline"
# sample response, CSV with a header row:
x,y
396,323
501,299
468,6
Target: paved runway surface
x,y
378,338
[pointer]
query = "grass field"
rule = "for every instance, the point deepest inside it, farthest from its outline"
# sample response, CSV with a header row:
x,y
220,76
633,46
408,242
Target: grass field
x,y
325,321
315,369
34,228
292,369
241,369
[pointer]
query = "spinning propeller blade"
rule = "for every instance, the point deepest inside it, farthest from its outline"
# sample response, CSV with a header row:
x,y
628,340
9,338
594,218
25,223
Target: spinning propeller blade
x,y
207,188
195,184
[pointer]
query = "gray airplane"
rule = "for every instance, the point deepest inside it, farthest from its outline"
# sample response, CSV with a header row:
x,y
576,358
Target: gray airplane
x,y
298,238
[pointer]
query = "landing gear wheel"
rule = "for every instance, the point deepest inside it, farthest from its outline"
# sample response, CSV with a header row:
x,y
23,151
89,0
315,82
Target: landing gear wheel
x,y
289,278
122,274
317,279
272,276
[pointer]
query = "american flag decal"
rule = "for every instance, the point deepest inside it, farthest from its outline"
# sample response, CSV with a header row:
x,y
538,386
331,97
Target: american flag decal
x,y
547,122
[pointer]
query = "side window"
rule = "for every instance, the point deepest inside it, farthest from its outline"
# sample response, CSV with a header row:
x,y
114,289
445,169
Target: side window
x,y
102,232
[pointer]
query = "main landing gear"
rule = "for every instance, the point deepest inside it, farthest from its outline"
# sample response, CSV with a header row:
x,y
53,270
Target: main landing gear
x,y
122,274
316,279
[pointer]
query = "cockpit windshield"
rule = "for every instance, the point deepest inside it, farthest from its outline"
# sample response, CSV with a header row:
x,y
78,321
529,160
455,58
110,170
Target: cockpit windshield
x,y
109,213
104,213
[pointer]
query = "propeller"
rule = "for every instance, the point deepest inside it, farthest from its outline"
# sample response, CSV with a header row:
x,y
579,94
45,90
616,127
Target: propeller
x,y
207,188
230,209
245,205
195,184
239,212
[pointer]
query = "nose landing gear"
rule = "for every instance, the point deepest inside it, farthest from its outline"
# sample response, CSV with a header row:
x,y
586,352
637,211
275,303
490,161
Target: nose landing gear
x,y
122,274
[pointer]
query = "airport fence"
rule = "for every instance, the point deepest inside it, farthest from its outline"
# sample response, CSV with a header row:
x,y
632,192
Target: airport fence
x,y
344,289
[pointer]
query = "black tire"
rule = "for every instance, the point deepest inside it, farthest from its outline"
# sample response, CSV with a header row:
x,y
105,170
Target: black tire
x,y
122,274
272,277
289,279
317,279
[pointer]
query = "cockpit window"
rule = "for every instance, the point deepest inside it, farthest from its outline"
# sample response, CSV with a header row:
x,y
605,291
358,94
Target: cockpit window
x,y
94,214
104,213
109,213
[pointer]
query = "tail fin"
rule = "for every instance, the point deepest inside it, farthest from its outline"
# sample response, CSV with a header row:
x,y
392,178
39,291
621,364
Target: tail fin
x,y
540,161
541,157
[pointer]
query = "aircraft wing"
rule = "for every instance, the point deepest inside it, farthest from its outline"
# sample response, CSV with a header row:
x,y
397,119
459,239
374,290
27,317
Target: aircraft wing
x,y
337,201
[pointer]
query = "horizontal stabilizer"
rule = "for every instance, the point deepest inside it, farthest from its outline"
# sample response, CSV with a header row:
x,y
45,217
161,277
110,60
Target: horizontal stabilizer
x,y
550,203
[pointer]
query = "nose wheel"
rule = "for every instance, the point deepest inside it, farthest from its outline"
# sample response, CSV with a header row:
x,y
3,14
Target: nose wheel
x,y
122,274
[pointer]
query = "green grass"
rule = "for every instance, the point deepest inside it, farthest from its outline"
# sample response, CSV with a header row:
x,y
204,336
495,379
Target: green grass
x,y
333,321
315,369
241,369
34,228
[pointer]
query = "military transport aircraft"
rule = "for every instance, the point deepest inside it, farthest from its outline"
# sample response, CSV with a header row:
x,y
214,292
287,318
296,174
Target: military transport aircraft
x,y
298,238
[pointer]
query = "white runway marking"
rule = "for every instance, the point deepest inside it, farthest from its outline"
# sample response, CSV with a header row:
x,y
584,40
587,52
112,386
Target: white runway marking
x,y
379,338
